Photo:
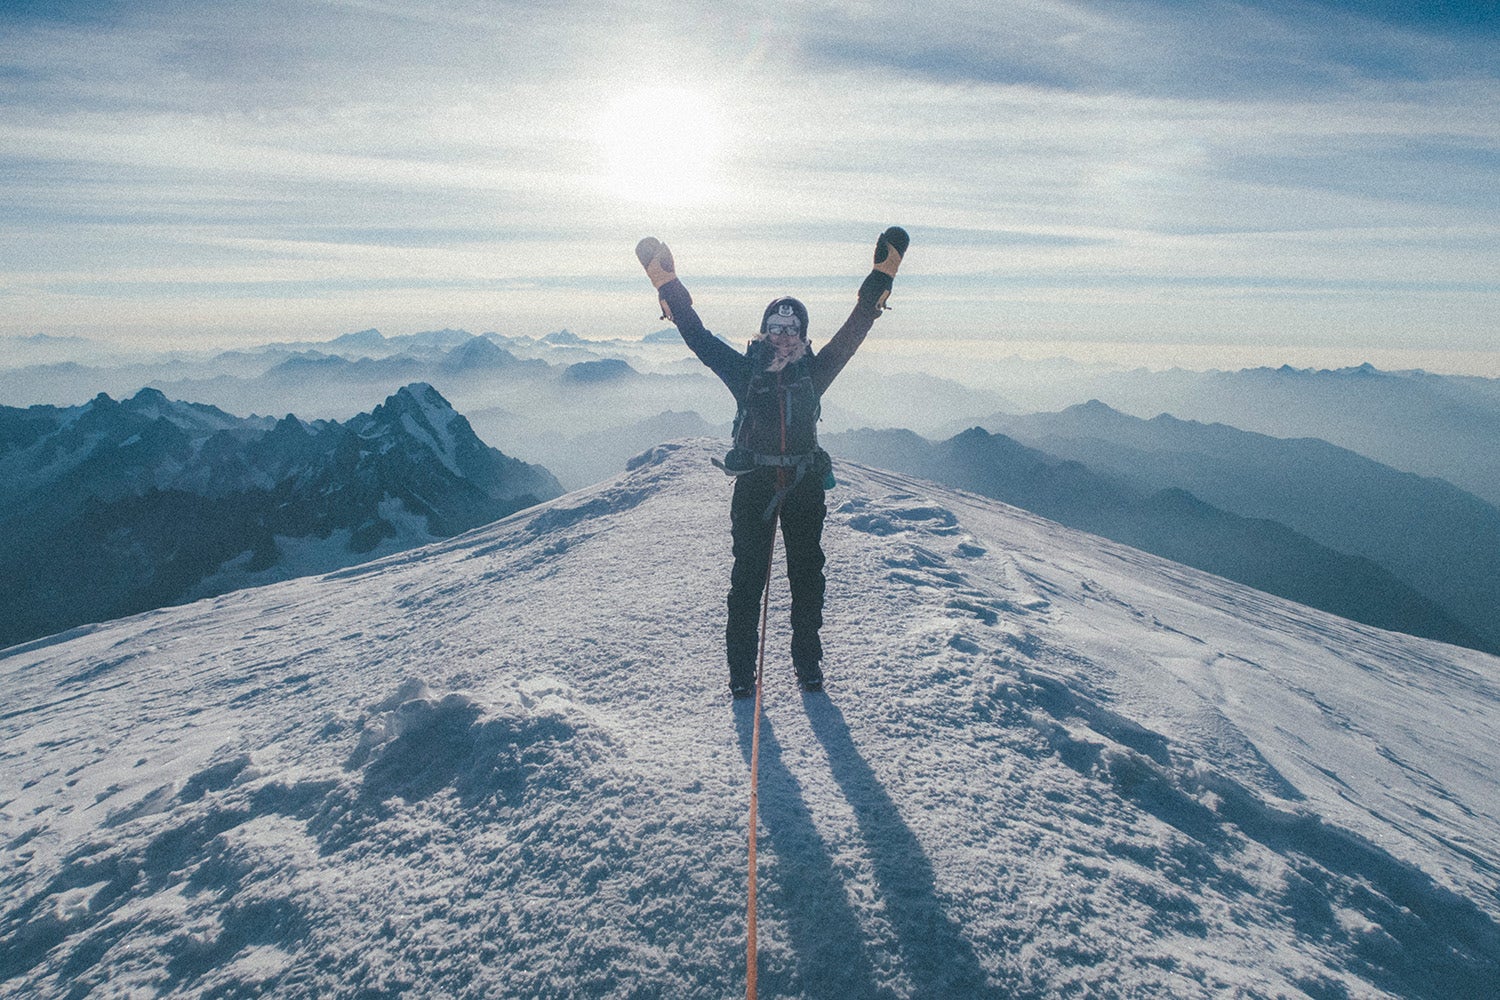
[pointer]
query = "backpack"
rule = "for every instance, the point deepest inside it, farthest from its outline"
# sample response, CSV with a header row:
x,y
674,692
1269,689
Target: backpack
x,y
777,401
771,401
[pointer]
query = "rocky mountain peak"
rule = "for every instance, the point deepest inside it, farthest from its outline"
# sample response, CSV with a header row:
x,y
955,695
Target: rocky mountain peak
x,y
118,507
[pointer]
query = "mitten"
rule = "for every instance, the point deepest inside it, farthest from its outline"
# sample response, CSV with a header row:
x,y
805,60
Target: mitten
x,y
889,249
657,260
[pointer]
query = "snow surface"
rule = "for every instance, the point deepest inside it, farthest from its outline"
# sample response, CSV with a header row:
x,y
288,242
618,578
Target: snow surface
x,y
506,765
305,555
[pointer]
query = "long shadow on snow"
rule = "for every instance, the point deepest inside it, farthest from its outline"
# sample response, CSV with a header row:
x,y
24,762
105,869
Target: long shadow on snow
x,y
935,954
828,945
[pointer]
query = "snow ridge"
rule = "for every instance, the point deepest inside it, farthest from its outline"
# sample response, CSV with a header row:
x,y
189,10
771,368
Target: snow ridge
x,y
503,765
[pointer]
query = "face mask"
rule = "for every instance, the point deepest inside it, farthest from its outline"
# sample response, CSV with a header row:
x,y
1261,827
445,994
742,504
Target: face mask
x,y
784,349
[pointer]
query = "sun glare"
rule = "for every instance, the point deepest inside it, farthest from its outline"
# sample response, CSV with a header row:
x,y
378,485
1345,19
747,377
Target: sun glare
x,y
660,145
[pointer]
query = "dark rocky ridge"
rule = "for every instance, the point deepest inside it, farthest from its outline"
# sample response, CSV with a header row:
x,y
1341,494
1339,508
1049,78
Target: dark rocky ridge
x,y
111,508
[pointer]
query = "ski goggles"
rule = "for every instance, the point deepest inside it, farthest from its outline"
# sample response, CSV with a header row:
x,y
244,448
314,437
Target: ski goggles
x,y
783,329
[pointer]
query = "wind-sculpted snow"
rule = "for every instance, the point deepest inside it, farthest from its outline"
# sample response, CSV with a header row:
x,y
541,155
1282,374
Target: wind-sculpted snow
x,y
505,765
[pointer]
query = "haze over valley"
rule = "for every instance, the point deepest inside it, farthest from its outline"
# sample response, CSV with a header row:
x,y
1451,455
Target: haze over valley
x,y
1346,512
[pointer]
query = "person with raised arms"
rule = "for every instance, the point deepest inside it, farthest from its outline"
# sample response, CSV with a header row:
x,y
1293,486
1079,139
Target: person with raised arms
x,y
780,472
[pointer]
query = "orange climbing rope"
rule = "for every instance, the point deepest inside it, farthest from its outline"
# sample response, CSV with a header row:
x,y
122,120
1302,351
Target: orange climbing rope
x,y
760,665
760,670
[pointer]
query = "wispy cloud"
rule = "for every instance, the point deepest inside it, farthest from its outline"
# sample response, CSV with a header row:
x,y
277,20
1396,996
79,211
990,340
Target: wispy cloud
x,y
1213,49
346,155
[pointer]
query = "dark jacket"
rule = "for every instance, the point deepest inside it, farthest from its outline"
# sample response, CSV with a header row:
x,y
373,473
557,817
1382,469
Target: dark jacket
x,y
763,396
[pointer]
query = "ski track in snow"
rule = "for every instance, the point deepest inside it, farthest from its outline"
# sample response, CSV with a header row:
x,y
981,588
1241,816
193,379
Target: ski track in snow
x,y
506,765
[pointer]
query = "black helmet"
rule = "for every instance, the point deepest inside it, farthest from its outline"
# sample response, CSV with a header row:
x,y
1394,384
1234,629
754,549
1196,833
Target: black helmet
x,y
785,307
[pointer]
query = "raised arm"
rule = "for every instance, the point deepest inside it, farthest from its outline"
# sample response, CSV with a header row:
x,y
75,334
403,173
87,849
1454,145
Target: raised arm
x,y
873,292
677,306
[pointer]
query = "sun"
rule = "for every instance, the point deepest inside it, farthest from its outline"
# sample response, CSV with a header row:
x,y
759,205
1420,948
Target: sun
x,y
660,145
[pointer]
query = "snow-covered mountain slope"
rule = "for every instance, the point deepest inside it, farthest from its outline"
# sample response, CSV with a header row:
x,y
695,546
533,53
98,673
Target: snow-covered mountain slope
x,y
505,765
108,509
1169,522
1441,540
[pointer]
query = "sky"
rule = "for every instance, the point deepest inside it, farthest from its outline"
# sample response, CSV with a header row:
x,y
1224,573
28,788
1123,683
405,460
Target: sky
x,y
1267,179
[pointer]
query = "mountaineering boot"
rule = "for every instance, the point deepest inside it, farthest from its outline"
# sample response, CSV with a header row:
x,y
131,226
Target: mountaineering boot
x,y
890,247
739,692
657,260
810,677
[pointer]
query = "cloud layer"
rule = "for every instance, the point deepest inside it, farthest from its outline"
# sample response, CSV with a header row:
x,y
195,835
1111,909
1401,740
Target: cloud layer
x,y
1303,173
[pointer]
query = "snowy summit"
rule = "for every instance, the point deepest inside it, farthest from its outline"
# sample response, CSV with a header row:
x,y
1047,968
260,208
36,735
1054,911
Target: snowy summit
x,y
506,765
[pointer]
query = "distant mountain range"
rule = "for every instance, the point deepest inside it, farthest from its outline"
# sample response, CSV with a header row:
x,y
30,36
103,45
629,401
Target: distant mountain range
x,y
110,508
1285,515
1168,522
1415,421
560,399
1443,541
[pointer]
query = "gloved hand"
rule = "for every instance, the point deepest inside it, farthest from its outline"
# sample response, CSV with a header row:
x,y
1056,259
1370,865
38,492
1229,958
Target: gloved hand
x,y
656,259
889,249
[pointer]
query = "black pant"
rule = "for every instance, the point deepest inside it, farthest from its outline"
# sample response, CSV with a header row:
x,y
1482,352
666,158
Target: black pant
x,y
803,509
